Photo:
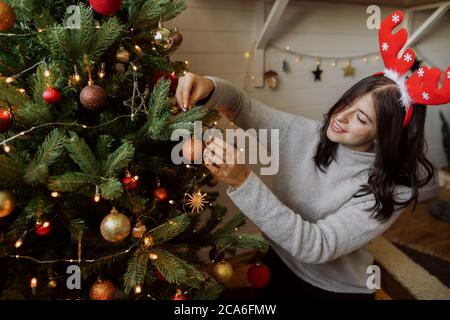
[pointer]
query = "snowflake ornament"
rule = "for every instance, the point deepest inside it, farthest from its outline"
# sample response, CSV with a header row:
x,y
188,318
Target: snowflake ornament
x,y
395,18
407,57
385,46
425,96
420,72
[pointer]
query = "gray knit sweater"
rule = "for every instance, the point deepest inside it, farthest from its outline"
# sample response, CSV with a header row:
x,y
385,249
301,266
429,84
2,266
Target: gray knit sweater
x,y
311,218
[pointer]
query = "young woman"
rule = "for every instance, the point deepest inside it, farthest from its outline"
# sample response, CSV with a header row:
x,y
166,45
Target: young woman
x,y
340,183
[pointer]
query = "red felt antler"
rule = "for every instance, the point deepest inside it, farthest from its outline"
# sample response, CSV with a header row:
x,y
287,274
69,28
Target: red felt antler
x,y
423,86
391,44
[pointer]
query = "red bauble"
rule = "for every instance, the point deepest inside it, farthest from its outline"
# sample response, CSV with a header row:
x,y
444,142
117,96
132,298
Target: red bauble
x,y
43,229
7,16
51,96
258,275
161,194
159,275
179,295
171,76
5,121
215,255
105,7
129,183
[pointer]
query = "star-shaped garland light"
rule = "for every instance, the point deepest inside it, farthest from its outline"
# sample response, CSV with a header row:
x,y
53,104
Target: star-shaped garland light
x,y
137,102
196,201
317,73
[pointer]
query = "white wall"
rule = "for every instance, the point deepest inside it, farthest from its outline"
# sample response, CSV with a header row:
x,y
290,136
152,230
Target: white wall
x,y
218,33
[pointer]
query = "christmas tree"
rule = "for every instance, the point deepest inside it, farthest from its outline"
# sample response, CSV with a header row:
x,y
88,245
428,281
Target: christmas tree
x,y
87,184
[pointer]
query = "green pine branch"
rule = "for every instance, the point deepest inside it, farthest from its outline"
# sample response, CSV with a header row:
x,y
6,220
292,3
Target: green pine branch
x,y
119,159
81,154
210,291
111,189
136,271
11,171
72,182
48,152
171,229
154,11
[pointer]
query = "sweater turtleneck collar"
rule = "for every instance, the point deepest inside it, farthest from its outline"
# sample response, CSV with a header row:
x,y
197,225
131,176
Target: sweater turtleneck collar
x,y
348,157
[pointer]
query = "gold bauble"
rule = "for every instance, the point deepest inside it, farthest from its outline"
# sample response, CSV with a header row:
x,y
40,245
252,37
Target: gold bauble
x,y
222,271
138,230
102,290
7,203
123,55
120,67
162,38
115,226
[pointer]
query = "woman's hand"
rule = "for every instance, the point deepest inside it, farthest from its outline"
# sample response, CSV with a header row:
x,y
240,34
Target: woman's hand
x,y
223,160
192,88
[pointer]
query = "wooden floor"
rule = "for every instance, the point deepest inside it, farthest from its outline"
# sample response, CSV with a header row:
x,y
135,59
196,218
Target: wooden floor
x,y
421,231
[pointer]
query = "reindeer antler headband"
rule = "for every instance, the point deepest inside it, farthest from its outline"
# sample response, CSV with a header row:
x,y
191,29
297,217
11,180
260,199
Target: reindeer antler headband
x,y
423,85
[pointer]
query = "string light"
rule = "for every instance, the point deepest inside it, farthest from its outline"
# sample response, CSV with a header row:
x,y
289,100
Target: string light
x,y
288,48
247,54
10,79
171,201
153,256
33,285
138,289
55,194
333,64
97,195
365,59
18,243
6,148
21,90
47,72
186,62
101,73
76,75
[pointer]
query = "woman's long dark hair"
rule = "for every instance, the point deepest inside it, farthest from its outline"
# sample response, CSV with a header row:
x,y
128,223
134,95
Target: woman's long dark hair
x,y
399,152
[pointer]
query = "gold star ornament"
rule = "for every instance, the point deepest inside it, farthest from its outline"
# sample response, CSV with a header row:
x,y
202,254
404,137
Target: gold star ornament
x,y
349,70
196,201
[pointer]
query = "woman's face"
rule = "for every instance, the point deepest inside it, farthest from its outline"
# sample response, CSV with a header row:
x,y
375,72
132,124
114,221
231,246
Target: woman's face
x,y
355,126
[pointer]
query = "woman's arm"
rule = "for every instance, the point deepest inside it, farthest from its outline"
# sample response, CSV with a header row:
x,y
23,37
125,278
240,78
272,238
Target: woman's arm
x,y
350,228
235,104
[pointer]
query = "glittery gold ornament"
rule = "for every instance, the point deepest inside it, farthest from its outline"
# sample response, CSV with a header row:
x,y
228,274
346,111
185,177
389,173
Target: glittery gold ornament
x,y
102,289
138,230
222,271
7,203
162,38
115,226
123,55
93,97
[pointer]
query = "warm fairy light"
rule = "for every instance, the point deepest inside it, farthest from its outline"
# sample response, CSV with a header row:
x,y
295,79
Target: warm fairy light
x,y
148,241
171,201
184,72
10,79
186,62
52,283
22,133
40,30
138,289
247,54
134,67
288,48
55,194
76,75
236,229
18,243
98,27
101,73
318,61
97,197
333,64
47,72
215,123
84,126
153,256
6,148
188,166
232,123
33,282
46,224
137,48
253,77
297,60
365,59
21,90
241,149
